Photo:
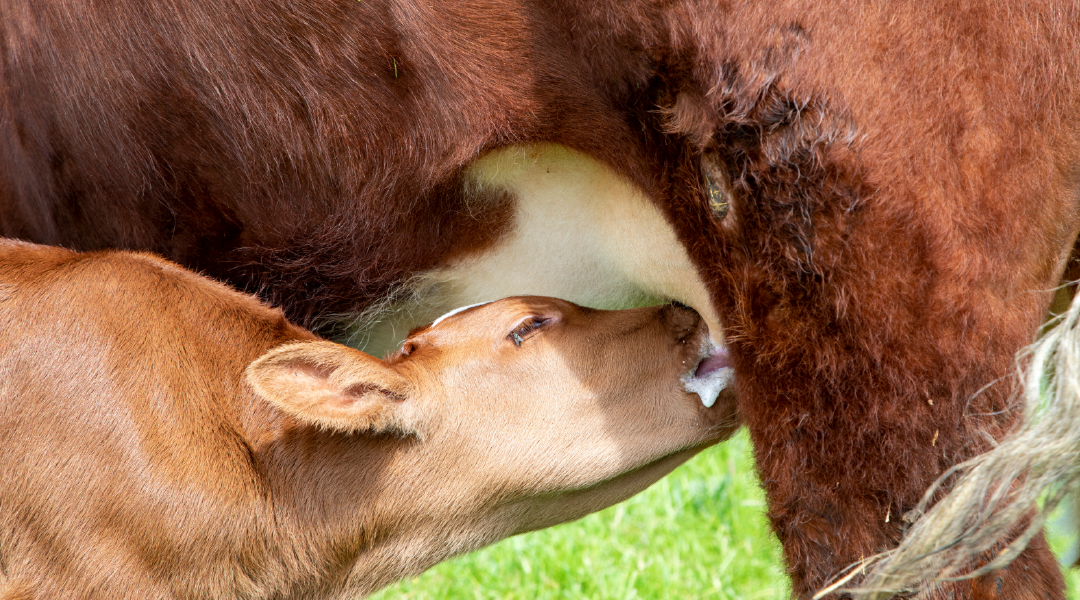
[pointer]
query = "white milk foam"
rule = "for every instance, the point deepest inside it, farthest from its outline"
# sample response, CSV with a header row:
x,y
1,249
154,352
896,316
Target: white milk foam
x,y
708,388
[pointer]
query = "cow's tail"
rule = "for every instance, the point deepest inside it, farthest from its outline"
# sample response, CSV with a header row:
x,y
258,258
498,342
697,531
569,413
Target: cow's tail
x,y
993,508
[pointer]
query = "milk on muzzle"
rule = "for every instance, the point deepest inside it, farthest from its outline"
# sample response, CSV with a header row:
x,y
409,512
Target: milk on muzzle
x,y
711,375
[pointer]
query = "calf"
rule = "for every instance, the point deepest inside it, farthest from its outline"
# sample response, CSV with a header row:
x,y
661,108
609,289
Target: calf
x,y
168,437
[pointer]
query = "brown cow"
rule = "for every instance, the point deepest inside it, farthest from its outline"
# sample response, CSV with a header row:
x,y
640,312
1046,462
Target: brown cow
x,y
871,197
136,463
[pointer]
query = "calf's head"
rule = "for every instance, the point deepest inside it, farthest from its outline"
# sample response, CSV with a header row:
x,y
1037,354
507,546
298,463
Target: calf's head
x,y
513,415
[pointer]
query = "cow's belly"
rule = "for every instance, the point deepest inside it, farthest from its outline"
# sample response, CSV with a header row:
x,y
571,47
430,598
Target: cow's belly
x,y
581,232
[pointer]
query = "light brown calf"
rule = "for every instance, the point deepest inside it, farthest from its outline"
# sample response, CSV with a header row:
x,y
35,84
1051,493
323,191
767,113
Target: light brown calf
x,y
167,437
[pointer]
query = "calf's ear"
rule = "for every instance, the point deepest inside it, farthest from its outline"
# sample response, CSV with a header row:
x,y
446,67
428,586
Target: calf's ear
x,y
334,387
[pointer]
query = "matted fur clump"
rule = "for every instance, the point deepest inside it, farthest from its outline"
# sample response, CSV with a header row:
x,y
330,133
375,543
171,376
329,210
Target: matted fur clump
x,y
993,511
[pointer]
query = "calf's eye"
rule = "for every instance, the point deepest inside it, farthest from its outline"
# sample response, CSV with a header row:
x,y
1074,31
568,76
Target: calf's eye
x,y
526,327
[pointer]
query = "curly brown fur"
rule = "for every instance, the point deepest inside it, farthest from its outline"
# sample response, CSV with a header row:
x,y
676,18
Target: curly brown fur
x,y
893,219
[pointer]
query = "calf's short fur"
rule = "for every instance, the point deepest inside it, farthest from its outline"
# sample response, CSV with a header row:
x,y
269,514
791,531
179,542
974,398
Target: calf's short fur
x,y
167,437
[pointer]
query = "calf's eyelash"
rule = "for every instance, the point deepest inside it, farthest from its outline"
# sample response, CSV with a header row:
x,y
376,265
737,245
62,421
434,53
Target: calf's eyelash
x,y
527,326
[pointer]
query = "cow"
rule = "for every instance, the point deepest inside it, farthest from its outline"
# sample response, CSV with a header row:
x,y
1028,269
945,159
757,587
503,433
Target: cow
x,y
168,437
866,201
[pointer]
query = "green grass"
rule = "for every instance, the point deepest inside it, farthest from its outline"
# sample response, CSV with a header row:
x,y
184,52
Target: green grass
x,y
698,533
1062,535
